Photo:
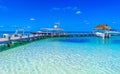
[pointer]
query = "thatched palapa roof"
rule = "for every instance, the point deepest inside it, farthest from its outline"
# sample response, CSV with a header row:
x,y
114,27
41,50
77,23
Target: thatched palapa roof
x,y
102,27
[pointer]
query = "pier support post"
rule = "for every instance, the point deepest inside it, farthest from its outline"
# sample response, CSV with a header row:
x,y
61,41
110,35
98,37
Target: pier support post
x,y
28,39
8,44
20,39
9,41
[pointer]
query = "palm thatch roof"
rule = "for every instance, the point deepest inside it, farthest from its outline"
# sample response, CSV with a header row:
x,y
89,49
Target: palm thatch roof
x,y
102,27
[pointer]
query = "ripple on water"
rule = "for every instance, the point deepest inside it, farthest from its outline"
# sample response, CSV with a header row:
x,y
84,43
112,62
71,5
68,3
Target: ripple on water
x,y
54,57
75,40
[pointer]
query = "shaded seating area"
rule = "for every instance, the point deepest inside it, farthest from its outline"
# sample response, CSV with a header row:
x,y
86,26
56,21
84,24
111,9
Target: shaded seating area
x,y
102,30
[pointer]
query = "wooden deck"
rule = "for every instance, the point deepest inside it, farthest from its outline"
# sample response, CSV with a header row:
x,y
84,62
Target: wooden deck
x,y
12,39
8,41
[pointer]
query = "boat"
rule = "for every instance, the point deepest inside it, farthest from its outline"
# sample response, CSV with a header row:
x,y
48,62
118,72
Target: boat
x,y
103,35
102,30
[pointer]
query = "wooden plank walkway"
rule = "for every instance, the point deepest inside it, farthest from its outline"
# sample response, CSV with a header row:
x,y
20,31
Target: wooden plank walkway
x,y
5,40
8,41
37,36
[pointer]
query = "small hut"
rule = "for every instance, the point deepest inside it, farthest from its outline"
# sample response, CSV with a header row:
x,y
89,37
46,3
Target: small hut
x,y
102,27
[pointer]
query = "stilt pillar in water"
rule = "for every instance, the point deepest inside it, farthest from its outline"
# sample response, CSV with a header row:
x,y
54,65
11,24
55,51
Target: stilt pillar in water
x,y
8,44
21,39
27,39
9,41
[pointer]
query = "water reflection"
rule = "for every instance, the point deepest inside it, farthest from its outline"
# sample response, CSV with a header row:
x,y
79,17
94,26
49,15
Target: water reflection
x,y
75,40
116,41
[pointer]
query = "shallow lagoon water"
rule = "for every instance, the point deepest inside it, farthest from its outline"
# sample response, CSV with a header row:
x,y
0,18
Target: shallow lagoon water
x,y
82,55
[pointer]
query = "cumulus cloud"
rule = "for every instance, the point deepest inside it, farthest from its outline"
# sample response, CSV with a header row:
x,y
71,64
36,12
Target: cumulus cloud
x,y
78,12
114,22
86,22
3,6
75,8
28,26
55,8
1,26
71,8
32,19
66,8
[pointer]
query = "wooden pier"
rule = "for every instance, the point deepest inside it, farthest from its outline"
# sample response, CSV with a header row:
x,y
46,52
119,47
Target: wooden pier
x,y
11,40
80,34
38,36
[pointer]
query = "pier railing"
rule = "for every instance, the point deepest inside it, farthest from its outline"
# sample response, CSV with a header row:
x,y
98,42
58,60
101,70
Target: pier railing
x,y
32,37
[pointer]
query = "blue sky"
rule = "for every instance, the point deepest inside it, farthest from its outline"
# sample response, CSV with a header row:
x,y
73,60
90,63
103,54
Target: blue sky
x,y
73,15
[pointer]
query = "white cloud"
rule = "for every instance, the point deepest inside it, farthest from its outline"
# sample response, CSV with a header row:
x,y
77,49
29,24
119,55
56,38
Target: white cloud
x,y
66,8
114,22
87,23
28,26
32,19
75,8
55,8
78,12
71,8
1,26
3,6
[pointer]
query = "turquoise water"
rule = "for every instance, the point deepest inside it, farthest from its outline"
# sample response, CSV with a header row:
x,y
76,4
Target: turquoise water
x,y
83,55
